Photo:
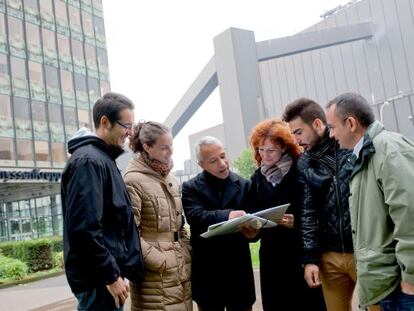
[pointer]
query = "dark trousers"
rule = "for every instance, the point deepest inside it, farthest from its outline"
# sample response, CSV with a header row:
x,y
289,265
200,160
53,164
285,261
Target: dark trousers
x,y
398,301
222,308
97,299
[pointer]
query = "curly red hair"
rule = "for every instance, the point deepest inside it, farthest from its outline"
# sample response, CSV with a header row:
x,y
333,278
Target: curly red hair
x,y
279,134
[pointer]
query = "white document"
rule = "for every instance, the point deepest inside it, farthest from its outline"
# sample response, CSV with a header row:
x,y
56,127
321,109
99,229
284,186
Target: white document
x,y
263,219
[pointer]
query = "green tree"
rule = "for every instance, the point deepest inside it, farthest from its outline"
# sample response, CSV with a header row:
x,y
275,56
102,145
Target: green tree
x,y
244,164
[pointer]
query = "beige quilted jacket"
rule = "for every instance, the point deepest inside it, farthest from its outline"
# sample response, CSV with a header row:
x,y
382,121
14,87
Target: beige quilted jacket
x,y
158,211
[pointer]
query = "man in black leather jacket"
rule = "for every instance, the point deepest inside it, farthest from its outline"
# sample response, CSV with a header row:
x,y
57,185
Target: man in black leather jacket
x,y
101,244
324,219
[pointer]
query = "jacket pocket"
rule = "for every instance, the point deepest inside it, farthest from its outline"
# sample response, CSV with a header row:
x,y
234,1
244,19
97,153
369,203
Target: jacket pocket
x,y
378,271
154,259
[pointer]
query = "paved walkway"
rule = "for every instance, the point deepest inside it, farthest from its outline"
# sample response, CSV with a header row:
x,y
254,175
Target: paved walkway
x,y
54,294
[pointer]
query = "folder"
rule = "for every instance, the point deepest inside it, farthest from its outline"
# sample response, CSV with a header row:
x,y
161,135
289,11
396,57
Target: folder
x,y
263,219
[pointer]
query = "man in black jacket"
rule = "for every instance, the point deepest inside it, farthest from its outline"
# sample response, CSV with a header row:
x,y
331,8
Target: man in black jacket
x,y
101,244
222,274
324,222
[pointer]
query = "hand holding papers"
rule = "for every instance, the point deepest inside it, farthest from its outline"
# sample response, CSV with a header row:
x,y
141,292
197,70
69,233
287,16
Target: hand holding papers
x,y
263,219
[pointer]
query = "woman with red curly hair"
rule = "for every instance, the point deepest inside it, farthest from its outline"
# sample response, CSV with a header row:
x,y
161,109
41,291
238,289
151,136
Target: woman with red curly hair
x,y
274,183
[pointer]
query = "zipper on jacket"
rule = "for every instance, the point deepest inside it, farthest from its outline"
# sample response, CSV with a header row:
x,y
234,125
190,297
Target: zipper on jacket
x,y
340,214
338,205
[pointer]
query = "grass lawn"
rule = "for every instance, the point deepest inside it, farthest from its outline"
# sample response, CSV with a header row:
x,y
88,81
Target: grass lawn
x,y
254,251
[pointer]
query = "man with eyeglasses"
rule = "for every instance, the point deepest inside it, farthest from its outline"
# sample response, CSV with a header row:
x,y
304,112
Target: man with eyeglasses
x,y
101,244
324,220
382,203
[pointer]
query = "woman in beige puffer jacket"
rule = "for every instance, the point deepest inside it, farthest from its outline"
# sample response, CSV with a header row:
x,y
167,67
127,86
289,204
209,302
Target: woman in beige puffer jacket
x,y
157,207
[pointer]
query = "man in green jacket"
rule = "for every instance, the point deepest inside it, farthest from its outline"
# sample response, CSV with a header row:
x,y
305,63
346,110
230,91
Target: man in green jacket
x,y
381,203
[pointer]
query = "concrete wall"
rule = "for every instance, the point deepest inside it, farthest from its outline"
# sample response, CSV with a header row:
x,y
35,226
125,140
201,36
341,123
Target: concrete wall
x,y
381,68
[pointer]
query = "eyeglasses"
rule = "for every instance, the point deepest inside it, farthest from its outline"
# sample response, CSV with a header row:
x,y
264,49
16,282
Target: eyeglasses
x,y
125,126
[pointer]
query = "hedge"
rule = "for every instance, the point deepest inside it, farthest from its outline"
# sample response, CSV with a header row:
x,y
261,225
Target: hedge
x,y
11,268
58,260
57,244
37,254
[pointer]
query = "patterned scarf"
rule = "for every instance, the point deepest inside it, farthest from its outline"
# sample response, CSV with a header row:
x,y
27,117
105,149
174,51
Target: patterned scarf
x,y
158,166
275,173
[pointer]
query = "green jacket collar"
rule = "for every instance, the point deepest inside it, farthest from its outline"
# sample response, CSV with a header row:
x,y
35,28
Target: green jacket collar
x,y
368,147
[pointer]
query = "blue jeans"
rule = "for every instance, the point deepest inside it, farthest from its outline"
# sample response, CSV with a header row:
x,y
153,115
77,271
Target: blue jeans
x,y
398,301
97,299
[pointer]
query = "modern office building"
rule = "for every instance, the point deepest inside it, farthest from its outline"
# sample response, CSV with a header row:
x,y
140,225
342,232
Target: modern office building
x,y
365,46
53,67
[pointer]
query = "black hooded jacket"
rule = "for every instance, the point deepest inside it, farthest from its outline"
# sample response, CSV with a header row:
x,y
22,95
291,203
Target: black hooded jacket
x,y
101,242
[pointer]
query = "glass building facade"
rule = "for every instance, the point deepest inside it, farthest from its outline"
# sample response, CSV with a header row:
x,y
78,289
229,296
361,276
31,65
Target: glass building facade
x,y
53,67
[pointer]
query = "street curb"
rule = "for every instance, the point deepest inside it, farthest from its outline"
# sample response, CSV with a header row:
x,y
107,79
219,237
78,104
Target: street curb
x,y
32,279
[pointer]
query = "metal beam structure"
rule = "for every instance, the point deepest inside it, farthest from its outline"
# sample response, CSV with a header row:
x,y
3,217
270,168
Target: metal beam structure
x,y
205,83
240,86
207,80
308,41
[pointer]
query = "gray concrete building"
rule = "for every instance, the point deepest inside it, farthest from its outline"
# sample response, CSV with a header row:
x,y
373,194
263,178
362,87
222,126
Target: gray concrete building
x,y
364,46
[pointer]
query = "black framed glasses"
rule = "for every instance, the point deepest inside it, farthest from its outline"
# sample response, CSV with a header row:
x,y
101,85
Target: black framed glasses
x,y
125,126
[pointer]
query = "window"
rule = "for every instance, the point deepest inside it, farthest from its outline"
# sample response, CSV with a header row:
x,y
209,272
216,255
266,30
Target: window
x,y
70,116
18,68
38,111
71,123
19,76
55,115
67,82
84,118
90,55
49,42
36,80
40,128
58,153
81,91
102,58
6,149
15,29
33,42
56,124
77,50
4,75
5,109
32,11
105,88
24,150
99,25
52,79
36,72
42,151
6,121
64,48
97,4
46,9
21,108
22,117
16,38
80,83
3,38
3,65
74,18
87,24
30,4
93,86
61,14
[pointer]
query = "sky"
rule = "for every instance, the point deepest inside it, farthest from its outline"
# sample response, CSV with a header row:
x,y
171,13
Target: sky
x,y
156,49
